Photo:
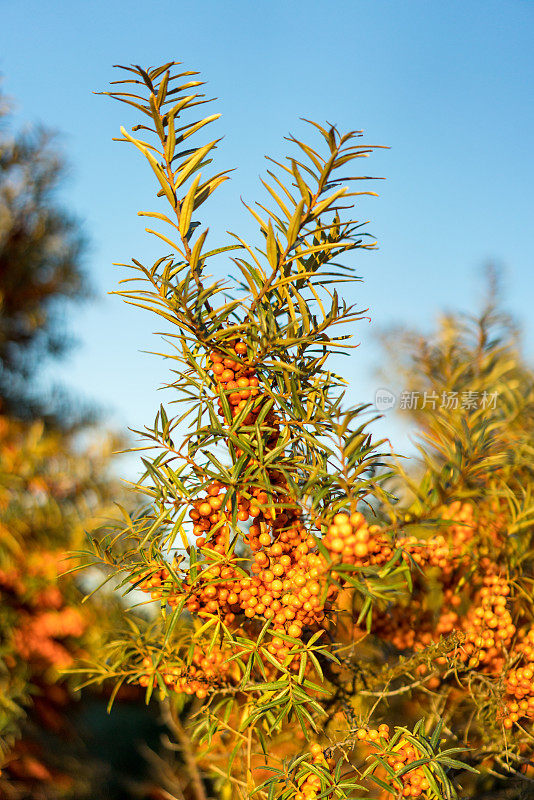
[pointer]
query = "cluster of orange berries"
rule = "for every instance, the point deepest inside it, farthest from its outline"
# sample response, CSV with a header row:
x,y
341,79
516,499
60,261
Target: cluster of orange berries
x,y
288,582
414,782
236,379
152,581
360,544
444,552
349,539
488,625
463,523
407,627
288,579
206,669
311,785
283,582
520,683
296,588
414,627
434,552
287,576
211,520
223,588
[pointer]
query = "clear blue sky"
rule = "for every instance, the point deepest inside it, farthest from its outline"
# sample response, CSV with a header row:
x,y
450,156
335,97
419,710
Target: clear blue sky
x,y
449,86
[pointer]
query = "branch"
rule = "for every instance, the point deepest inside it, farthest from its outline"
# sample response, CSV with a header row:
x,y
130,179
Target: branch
x,y
177,728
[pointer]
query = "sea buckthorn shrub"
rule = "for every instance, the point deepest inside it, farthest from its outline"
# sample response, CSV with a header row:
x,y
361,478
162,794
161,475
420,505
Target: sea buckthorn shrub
x,y
320,634
50,495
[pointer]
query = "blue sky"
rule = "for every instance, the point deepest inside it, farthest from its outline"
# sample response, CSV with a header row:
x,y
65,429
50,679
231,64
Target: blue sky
x,y
448,86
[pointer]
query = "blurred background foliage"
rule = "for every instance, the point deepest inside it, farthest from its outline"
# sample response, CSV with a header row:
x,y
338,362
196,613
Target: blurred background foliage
x,y
41,265
468,392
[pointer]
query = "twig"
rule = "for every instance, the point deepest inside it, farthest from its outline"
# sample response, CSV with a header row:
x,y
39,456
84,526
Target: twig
x,y
185,744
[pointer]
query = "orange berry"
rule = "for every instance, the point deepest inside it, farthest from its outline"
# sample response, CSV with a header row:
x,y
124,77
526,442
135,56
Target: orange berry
x,y
336,545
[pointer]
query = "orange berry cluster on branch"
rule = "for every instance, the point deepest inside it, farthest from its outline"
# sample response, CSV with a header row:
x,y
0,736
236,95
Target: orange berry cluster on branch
x,y
447,552
479,610
519,697
206,669
311,785
413,783
464,525
289,581
283,581
152,581
349,539
488,625
237,380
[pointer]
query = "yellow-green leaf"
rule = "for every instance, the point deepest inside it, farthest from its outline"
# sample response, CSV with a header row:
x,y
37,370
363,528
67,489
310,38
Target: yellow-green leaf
x,y
186,208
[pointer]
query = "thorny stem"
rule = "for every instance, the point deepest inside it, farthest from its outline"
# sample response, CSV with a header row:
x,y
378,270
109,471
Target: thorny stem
x,y
176,208
249,753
